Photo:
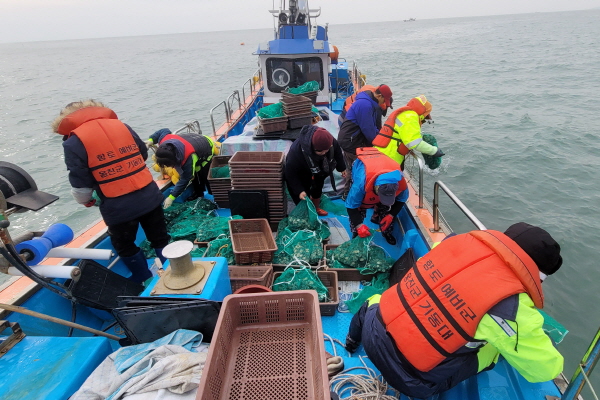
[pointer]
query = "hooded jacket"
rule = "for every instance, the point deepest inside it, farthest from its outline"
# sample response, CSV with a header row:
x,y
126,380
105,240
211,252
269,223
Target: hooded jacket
x,y
362,123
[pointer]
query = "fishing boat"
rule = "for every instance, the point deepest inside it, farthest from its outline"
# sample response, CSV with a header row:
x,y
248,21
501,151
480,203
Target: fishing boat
x,y
57,325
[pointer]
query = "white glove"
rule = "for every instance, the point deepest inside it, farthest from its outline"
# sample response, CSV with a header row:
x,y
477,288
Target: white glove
x,y
149,142
168,201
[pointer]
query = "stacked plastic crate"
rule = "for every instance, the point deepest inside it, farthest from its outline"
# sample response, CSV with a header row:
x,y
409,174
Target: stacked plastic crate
x,y
261,170
219,187
298,110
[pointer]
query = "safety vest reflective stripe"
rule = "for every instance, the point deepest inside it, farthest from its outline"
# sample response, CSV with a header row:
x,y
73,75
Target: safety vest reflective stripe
x,y
113,157
414,143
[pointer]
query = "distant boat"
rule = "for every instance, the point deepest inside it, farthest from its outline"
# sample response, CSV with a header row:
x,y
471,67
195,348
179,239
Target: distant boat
x,y
410,20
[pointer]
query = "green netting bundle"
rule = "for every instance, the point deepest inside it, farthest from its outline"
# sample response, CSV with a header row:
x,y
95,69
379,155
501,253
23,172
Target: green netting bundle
x,y
271,111
310,86
378,285
220,172
553,328
213,227
301,279
337,208
187,229
221,248
360,253
305,217
301,245
431,161
150,253
173,212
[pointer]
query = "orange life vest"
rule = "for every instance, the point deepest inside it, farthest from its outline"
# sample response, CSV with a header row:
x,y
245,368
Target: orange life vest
x,y
386,133
113,155
376,164
189,149
435,309
352,98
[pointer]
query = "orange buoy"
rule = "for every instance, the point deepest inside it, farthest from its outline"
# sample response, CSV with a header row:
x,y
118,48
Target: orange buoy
x,y
241,44
334,54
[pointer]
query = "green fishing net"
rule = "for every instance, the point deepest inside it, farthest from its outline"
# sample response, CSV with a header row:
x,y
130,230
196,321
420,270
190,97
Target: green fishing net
x,y
362,254
150,253
220,172
553,328
431,161
221,247
271,111
213,227
337,208
309,86
301,279
301,245
305,216
379,284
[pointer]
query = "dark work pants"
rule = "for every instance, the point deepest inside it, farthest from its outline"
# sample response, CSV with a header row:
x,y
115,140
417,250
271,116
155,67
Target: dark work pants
x,y
365,327
200,181
349,159
122,236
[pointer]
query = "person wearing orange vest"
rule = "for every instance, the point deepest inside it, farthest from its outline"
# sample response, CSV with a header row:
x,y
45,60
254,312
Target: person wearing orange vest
x,y
469,300
377,183
190,155
401,132
105,156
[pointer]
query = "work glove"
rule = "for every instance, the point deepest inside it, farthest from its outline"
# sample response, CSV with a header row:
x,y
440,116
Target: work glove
x,y
168,201
363,231
386,222
149,143
90,203
439,153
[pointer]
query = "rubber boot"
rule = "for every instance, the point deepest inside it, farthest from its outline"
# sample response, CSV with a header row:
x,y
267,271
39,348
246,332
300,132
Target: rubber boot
x,y
389,237
160,256
138,266
320,211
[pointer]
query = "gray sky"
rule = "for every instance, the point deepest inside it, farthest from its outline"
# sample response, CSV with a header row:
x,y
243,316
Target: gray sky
x,y
32,20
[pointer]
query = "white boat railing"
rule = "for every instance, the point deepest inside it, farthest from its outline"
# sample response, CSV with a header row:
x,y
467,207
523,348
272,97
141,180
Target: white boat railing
x,y
436,207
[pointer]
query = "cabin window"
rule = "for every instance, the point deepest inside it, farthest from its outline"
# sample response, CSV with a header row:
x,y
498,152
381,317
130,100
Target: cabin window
x,y
284,72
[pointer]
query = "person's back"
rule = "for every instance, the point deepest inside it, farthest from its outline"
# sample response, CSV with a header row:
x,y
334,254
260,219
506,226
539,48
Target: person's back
x,y
467,301
362,123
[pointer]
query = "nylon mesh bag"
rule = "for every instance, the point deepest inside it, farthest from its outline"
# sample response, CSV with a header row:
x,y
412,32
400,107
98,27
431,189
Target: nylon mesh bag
x,y
301,245
221,172
431,161
221,247
271,111
213,227
337,208
362,254
309,86
305,216
379,284
301,279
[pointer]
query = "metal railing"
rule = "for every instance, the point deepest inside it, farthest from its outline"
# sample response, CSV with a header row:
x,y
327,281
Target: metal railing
x,y
190,127
232,97
584,369
421,165
212,118
456,200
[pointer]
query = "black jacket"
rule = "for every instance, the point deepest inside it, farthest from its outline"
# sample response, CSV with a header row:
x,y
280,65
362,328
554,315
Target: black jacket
x,y
115,210
298,172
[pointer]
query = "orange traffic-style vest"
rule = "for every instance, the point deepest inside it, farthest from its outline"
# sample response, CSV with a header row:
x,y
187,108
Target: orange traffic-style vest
x,y
376,163
352,98
113,155
435,309
386,133
188,148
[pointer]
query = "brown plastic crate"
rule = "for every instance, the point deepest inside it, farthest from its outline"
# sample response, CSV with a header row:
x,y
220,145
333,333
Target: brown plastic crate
x,y
273,124
244,275
300,121
344,274
267,346
330,280
252,240
253,158
217,161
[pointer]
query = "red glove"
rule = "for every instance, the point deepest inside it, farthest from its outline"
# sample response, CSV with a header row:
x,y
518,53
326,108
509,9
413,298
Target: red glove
x,y
90,203
386,222
363,231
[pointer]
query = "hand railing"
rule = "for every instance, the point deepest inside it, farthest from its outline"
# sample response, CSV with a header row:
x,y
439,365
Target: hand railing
x,y
456,200
212,118
584,369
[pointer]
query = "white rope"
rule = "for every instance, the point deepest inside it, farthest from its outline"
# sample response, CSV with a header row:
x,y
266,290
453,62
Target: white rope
x,y
333,342
361,386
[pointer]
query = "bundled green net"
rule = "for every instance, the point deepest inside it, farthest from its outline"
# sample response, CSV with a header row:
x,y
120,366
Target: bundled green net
x,y
362,254
431,161
310,86
553,328
189,216
305,217
301,279
150,253
271,111
337,208
221,247
301,245
213,227
379,284
220,172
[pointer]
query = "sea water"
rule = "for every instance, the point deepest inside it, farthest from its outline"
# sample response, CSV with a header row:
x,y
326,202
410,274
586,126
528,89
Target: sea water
x,y
514,100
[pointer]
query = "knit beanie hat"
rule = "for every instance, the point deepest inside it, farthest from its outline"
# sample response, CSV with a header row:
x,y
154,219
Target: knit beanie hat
x,y
165,155
322,139
538,244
